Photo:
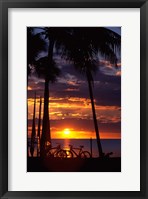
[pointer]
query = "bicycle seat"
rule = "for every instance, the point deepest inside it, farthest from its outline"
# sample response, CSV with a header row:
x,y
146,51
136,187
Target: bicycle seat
x,y
81,146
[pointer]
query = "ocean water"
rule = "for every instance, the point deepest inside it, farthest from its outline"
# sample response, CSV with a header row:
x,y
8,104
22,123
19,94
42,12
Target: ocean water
x,y
108,145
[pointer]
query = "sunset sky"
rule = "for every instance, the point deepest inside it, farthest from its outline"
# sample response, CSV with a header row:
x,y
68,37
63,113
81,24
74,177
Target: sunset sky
x,y
70,107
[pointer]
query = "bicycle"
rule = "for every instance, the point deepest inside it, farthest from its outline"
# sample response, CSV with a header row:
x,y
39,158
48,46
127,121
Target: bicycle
x,y
81,154
57,152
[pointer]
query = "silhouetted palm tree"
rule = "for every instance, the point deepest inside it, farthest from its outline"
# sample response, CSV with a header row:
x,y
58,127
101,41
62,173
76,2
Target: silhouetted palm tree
x,y
56,38
49,74
35,45
33,133
84,49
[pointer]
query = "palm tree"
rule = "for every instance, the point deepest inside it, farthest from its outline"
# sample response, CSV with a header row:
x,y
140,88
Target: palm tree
x,y
56,39
33,134
35,45
84,49
49,74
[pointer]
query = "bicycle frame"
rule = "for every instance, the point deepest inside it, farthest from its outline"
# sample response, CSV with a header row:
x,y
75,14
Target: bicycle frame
x,y
73,151
56,149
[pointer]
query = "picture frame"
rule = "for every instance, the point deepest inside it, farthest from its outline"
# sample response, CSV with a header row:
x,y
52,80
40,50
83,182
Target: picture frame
x,y
4,107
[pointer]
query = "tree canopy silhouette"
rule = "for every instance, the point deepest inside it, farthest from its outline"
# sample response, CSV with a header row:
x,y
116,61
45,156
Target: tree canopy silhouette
x,y
84,48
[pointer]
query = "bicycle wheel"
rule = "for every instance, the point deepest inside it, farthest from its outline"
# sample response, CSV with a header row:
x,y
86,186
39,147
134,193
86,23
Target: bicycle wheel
x,y
69,154
85,154
61,154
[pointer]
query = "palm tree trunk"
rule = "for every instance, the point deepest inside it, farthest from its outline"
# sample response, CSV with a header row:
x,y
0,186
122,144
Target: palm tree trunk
x,y
46,124
27,128
94,116
39,126
39,119
33,134
27,117
46,135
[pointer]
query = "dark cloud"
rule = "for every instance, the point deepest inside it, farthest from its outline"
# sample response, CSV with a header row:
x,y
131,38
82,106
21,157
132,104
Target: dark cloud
x,y
107,88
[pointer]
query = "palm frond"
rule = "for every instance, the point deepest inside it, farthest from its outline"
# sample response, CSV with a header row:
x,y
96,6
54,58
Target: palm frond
x,y
43,69
35,45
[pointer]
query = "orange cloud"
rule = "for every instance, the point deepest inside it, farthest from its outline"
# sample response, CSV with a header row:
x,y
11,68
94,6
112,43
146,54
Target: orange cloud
x,y
75,107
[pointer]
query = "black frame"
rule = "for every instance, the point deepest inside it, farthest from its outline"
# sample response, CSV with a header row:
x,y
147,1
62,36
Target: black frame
x,y
4,5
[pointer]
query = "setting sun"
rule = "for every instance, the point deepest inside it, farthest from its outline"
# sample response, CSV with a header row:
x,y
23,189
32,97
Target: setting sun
x,y
66,132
